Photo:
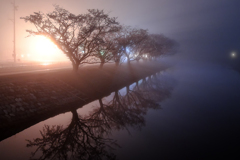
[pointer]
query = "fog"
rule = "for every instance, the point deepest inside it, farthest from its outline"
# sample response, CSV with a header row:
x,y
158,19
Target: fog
x,y
206,30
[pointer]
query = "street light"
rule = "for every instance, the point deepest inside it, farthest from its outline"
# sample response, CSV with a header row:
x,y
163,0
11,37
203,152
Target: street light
x,y
14,41
233,54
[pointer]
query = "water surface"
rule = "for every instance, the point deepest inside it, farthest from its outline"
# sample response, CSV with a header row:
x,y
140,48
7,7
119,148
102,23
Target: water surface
x,y
190,111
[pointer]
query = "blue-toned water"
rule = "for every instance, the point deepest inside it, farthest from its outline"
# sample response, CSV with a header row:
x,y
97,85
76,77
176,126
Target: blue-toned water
x,y
190,111
199,121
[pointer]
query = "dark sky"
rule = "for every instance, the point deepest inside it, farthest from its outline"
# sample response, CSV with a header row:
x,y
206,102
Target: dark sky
x,y
205,29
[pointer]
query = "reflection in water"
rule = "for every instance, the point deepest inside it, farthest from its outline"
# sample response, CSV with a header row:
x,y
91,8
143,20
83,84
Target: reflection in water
x,y
86,137
80,140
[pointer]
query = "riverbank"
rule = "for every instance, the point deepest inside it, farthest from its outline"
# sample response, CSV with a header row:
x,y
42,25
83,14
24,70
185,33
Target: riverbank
x,y
31,97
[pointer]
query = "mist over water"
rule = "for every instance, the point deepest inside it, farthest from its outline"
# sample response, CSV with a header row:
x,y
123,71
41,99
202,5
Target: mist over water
x,y
200,120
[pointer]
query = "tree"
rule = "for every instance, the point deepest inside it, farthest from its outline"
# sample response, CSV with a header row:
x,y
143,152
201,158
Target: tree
x,y
143,49
129,38
104,51
78,36
79,140
86,136
162,45
117,54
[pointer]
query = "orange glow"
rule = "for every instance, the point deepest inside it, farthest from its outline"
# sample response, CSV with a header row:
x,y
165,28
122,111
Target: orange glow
x,y
44,50
45,64
44,45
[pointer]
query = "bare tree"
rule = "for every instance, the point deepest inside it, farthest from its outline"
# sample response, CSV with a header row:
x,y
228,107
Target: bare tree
x,y
84,138
129,38
78,36
162,45
144,49
105,50
117,54
77,141
128,110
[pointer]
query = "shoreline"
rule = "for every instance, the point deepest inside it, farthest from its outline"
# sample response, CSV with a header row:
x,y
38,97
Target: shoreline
x,y
27,99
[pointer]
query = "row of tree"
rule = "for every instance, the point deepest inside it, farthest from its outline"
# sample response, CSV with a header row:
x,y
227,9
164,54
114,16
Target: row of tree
x,y
95,37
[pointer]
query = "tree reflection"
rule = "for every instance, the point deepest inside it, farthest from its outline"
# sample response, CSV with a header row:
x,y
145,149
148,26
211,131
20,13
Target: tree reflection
x,y
128,110
85,137
77,141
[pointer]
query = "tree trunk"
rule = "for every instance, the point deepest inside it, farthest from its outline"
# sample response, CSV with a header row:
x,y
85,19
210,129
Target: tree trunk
x,y
102,63
74,115
100,102
127,89
117,97
137,84
117,63
128,59
75,67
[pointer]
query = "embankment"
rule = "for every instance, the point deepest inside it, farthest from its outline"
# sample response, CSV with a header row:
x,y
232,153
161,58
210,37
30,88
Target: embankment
x,y
26,99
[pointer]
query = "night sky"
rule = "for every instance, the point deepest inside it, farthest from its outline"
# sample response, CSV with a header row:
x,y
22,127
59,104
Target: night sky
x,y
205,29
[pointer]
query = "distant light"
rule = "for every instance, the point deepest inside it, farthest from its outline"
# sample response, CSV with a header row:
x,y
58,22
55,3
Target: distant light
x,y
102,52
22,56
233,54
128,50
45,64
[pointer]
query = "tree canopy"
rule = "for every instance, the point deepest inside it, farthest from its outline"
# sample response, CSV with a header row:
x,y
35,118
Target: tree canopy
x,y
78,36
95,37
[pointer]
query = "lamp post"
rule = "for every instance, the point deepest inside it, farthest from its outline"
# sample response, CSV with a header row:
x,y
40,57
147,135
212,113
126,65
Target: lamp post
x,y
14,32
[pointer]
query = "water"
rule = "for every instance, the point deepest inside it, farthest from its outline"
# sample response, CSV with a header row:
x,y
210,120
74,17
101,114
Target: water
x,y
190,111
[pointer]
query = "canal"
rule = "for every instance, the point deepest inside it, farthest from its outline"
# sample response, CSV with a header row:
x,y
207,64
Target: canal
x,y
189,111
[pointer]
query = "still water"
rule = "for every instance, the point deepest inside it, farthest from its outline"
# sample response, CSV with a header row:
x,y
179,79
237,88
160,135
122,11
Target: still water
x,y
190,111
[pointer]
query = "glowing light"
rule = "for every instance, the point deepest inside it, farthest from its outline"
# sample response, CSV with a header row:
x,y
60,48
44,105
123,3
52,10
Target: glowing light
x,y
127,50
22,55
233,55
102,52
43,49
45,64
45,46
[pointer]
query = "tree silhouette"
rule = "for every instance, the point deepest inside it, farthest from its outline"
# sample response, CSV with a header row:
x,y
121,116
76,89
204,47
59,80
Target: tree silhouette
x,y
128,38
77,141
128,110
162,45
78,36
85,137
105,50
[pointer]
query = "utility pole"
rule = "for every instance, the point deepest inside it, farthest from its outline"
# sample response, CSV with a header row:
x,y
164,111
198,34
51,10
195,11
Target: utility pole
x,y
14,32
